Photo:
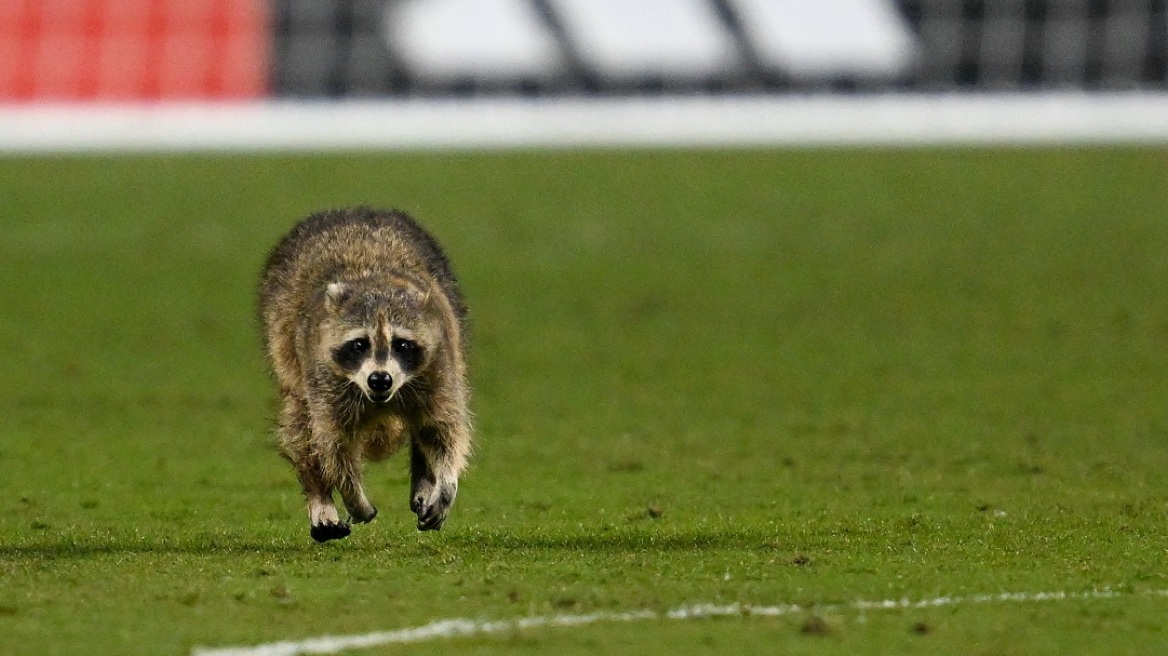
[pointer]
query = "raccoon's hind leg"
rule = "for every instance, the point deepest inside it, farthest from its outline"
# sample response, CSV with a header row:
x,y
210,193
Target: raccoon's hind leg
x,y
437,457
348,481
296,444
339,456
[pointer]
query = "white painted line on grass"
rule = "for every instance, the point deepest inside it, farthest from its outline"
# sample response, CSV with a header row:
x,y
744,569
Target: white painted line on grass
x,y
895,119
461,628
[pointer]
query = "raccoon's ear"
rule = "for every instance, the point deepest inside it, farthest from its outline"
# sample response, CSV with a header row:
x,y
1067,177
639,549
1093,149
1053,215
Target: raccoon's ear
x,y
430,295
335,295
435,300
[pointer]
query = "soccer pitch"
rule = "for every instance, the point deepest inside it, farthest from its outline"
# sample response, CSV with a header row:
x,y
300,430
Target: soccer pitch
x,y
800,386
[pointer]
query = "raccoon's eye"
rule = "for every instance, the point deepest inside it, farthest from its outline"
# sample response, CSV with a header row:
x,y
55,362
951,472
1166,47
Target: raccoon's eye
x,y
408,352
350,354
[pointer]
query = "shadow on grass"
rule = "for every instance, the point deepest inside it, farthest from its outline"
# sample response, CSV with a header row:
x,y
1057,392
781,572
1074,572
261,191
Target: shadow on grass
x,y
619,541
477,541
88,547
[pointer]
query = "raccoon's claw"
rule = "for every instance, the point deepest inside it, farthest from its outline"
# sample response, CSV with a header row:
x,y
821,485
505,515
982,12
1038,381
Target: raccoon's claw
x,y
360,517
326,532
432,521
432,514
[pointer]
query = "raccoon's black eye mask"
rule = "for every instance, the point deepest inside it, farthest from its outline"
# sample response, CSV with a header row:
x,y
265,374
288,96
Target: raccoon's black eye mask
x,y
350,354
408,352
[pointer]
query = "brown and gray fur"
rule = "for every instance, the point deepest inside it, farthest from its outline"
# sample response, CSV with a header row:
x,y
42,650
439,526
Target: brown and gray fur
x,y
364,326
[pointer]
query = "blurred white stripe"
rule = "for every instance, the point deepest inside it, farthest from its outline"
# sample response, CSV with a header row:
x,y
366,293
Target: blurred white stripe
x,y
829,38
501,123
628,40
488,40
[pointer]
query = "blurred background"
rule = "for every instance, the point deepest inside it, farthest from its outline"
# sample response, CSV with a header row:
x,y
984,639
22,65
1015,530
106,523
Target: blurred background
x,y
743,373
134,50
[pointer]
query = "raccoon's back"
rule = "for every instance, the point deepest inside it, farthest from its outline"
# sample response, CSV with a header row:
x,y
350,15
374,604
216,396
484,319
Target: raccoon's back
x,y
330,244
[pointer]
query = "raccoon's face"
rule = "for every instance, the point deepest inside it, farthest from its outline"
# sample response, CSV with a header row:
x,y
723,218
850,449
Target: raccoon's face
x,y
379,340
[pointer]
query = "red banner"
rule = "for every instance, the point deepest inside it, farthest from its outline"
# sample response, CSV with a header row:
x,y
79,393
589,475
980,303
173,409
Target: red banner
x,y
63,50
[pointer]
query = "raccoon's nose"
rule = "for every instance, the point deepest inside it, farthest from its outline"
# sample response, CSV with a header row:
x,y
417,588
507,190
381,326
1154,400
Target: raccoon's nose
x,y
379,381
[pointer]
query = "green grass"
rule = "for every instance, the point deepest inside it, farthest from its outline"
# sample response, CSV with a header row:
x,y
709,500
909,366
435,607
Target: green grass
x,y
838,375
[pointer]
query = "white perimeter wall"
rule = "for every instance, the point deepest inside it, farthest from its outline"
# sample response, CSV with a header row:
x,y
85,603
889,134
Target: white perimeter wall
x,y
671,122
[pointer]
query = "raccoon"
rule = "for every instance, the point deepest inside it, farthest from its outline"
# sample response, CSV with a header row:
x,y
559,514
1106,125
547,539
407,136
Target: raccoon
x,y
364,327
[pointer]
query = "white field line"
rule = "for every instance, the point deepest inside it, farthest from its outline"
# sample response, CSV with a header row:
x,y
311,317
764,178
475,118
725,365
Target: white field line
x,y
893,119
460,628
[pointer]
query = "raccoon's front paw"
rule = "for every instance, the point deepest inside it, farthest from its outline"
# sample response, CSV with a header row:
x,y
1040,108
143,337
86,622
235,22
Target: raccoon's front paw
x,y
431,503
326,532
325,522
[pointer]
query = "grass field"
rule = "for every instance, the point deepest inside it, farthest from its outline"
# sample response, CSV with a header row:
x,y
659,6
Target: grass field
x,y
772,377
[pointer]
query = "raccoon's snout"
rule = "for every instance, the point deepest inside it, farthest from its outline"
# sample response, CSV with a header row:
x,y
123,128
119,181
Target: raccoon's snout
x,y
380,381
